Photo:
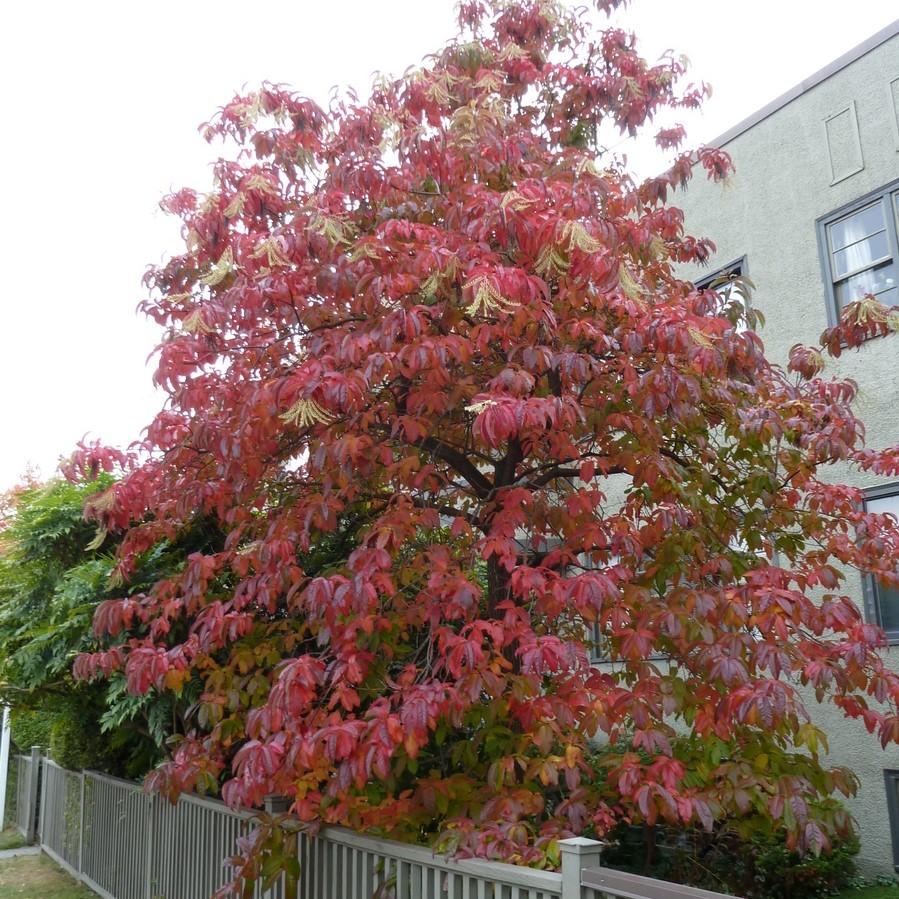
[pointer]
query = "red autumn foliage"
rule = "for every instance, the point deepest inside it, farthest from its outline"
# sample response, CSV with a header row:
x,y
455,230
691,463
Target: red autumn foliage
x,y
436,316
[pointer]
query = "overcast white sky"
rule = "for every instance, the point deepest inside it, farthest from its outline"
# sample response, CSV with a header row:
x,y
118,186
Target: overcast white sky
x,y
101,102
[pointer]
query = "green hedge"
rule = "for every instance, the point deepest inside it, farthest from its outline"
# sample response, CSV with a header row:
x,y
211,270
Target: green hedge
x,y
66,732
28,727
758,868
72,745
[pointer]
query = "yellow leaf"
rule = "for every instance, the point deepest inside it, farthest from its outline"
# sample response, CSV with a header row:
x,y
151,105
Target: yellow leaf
x,y
176,678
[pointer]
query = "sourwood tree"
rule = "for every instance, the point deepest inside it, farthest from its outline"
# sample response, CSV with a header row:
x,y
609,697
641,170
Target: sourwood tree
x,y
437,337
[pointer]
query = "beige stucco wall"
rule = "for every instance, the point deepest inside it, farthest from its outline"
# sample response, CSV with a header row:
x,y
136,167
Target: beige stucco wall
x,y
767,212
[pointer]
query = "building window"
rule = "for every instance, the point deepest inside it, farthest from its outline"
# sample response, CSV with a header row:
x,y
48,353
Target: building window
x,y
732,284
882,603
892,784
720,279
859,250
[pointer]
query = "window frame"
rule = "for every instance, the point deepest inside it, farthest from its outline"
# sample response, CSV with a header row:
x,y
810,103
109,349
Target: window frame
x,y
888,196
891,782
738,268
869,583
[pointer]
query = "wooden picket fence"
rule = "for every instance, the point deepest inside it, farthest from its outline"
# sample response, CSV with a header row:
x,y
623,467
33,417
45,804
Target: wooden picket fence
x,y
126,844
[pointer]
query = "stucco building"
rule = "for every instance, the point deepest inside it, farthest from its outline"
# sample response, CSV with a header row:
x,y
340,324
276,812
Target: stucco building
x,y
812,217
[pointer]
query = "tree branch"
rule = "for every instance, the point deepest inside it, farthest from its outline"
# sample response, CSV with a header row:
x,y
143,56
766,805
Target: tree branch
x,y
467,469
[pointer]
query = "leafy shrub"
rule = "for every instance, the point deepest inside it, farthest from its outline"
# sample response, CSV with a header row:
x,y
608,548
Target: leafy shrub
x,y
776,872
30,727
74,745
66,730
761,867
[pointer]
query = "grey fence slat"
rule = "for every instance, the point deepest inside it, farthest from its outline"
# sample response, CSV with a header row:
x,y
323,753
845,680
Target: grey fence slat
x,y
345,853
334,861
23,780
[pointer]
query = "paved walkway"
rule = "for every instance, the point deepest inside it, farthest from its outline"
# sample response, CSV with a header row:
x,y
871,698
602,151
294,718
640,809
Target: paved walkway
x,y
22,850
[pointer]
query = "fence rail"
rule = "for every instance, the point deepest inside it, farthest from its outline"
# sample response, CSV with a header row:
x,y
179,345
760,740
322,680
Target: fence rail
x,y
125,844
340,863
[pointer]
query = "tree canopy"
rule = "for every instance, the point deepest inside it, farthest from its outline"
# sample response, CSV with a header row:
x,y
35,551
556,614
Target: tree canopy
x,y
55,571
53,575
433,374
51,580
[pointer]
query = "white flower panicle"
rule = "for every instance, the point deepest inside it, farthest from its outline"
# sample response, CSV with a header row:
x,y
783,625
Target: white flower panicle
x,y
487,299
307,412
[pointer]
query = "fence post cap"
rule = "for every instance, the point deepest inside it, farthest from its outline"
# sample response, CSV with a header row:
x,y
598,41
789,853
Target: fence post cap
x,y
579,844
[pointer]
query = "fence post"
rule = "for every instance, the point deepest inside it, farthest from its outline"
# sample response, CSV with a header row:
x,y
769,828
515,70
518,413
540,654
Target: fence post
x,y
577,853
4,764
33,798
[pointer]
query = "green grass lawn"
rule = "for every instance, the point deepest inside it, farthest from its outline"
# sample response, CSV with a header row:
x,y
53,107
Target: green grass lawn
x,y
11,839
36,877
884,892
871,893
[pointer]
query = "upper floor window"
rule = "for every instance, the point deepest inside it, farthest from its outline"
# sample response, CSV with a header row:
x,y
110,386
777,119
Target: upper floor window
x,y
883,602
860,250
730,283
720,279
